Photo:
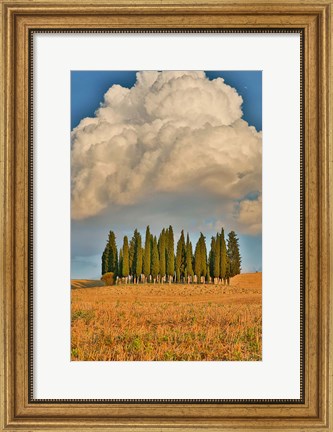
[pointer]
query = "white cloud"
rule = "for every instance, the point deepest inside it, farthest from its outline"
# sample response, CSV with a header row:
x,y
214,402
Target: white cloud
x,y
173,132
248,216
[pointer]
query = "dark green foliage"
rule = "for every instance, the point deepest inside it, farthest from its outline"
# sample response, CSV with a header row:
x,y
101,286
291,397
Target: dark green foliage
x,y
227,271
200,257
204,255
219,262
166,237
211,257
224,256
208,275
105,259
217,257
120,263
155,260
113,254
180,257
189,257
162,250
137,262
143,258
233,254
125,264
197,259
131,253
170,253
207,271
158,259
147,253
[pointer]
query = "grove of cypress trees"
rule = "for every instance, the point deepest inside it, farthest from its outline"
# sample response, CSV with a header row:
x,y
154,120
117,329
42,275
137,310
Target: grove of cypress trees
x,y
224,259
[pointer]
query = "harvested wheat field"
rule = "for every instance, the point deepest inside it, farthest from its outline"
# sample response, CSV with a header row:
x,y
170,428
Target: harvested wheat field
x,y
167,322
86,283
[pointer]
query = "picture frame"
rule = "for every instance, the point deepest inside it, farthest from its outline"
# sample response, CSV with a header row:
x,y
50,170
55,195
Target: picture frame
x,y
18,411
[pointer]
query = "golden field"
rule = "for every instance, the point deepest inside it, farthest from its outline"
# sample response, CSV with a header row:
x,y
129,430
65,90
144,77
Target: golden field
x,y
167,322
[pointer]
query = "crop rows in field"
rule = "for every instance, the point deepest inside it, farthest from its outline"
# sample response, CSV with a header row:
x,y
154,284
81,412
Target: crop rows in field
x,y
166,322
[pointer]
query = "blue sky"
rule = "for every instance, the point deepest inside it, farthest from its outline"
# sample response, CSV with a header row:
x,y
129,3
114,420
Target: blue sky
x,y
89,87
88,234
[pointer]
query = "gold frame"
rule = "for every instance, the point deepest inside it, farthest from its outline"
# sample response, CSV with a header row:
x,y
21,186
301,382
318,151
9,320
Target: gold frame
x,y
18,19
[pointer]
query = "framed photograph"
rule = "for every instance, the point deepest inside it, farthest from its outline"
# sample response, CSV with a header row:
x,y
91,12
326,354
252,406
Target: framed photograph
x,y
166,216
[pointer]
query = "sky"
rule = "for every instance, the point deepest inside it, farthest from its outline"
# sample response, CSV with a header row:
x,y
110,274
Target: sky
x,y
160,148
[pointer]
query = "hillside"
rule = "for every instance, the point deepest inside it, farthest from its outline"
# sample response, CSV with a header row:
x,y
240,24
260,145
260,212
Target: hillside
x,y
86,283
247,280
243,280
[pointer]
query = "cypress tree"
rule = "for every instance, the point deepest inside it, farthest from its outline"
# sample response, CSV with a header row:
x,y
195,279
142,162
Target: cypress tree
x,y
180,257
120,263
131,254
166,231
211,257
189,257
224,257
227,271
198,260
207,271
151,250
170,253
125,266
147,253
155,260
137,254
113,254
217,257
161,243
203,256
105,259
233,253
143,258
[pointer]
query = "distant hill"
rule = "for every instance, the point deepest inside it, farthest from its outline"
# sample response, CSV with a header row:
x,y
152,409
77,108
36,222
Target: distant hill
x,y
247,280
86,283
243,280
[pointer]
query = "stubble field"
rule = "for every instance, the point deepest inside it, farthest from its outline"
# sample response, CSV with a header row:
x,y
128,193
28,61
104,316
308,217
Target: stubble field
x,y
167,322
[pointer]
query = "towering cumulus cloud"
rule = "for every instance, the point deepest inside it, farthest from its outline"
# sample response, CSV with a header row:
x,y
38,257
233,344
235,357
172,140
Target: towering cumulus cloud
x,y
172,132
